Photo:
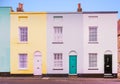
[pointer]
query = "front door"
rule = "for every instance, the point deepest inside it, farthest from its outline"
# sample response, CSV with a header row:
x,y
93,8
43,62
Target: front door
x,y
108,64
37,64
72,64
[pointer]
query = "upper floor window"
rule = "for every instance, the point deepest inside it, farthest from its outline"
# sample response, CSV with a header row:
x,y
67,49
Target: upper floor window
x,y
23,34
93,34
58,31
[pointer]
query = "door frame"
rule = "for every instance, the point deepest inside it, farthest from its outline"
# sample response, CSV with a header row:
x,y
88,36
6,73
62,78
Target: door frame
x,y
70,65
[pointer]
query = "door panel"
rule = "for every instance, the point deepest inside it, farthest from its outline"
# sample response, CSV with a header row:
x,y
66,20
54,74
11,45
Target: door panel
x,y
107,64
72,64
37,65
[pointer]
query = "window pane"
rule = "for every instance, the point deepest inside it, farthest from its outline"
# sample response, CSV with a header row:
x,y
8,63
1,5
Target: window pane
x,y
23,34
92,59
22,60
58,60
93,33
58,34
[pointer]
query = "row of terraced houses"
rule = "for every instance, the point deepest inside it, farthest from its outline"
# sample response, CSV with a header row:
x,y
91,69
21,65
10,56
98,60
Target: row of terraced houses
x,y
78,43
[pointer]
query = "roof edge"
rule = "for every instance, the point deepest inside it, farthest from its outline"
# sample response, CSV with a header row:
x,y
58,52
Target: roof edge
x,y
92,12
84,12
28,12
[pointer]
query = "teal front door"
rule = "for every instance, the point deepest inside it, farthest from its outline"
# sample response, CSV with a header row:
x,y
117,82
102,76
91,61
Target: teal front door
x,y
72,64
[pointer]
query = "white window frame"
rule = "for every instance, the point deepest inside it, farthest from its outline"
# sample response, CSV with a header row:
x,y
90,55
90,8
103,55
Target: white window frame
x,y
58,61
23,60
93,34
58,34
93,62
21,35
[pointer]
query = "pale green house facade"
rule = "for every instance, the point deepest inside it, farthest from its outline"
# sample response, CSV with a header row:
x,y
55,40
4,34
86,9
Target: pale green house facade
x,y
5,39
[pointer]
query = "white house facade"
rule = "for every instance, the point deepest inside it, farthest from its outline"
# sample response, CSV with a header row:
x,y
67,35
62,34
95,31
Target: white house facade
x,y
82,43
100,44
64,43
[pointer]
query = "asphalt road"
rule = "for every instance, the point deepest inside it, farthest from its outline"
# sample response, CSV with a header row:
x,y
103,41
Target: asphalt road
x,y
58,81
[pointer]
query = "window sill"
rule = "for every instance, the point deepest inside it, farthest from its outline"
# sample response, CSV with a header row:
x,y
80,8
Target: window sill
x,y
22,68
93,42
58,69
93,69
22,43
57,42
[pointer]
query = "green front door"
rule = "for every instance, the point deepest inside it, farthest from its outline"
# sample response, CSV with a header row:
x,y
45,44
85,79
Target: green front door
x,y
72,64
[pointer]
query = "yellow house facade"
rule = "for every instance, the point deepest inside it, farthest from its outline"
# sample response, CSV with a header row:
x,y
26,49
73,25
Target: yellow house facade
x,y
28,43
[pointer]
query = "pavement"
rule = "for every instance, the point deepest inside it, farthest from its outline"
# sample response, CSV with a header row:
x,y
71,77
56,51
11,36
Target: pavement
x,y
57,80
60,78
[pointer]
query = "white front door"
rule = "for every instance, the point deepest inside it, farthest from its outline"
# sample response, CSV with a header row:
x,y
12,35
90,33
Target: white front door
x,y
37,63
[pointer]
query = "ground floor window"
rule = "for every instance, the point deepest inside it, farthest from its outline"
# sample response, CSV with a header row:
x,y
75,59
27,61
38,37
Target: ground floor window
x,y
58,63
22,60
92,60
